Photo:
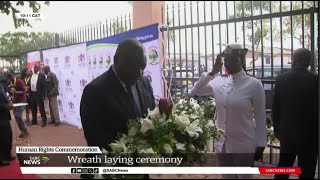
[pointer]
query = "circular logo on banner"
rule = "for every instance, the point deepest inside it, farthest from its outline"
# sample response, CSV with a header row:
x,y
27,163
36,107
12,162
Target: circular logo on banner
x,y
71,105
81,58
46,61
59,103
153,56
100,62
67,60
83,83
94,62
68,83
108,61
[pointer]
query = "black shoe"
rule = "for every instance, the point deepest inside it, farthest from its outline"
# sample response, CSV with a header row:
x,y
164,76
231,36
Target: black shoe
x,y
44,125
52,122
22,135
3,163
34,123
56,124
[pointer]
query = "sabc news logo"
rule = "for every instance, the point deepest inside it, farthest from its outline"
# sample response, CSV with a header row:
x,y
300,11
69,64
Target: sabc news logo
x,y
84,170
36,160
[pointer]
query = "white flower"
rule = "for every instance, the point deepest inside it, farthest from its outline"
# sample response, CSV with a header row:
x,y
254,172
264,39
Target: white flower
x,y
133,131
119,146
162,119
193,117
181,146
182,121
147,151
184,112
154,114
168,149
193,129
146,125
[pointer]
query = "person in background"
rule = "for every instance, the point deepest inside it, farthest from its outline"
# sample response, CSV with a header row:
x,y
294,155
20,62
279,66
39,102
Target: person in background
x,y
52,93
5,129
119,94
241,112
295,115
38,94
3,78
17,91
26,74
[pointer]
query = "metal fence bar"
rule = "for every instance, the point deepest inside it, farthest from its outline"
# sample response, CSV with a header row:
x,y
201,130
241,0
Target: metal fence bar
x,y
186,43
248,18
252,38
205,38
261,36
212,34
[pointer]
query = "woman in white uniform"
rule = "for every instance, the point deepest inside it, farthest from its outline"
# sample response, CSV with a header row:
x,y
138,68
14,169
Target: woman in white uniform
x,y
240,101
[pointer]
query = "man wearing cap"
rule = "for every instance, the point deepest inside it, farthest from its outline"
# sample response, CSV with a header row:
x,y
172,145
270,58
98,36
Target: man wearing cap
x,y
241,112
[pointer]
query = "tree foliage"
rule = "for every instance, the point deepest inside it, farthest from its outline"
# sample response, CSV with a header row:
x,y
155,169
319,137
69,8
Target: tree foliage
x,y
253,8
13,7
13,44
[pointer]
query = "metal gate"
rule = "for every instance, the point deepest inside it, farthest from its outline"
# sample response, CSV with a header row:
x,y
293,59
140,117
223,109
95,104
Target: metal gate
x,y
197,31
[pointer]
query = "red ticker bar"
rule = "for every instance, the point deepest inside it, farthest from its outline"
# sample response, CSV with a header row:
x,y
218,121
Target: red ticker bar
x,y
278,170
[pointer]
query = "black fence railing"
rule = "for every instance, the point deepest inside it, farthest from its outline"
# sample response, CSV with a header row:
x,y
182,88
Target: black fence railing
x,y
197,31
271,30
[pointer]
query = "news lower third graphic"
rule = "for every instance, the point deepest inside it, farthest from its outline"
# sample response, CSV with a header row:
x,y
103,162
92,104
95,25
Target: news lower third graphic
x,y
69,160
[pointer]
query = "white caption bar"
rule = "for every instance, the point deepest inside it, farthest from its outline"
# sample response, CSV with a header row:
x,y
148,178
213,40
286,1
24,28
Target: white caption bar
x,y
29,16
57,149
140,170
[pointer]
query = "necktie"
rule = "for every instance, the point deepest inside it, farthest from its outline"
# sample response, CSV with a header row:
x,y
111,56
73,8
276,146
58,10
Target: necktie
x,y
133,104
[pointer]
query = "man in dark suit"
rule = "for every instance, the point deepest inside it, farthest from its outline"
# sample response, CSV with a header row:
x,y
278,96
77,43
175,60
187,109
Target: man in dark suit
x,y
119,94
295,115
5,129
38,94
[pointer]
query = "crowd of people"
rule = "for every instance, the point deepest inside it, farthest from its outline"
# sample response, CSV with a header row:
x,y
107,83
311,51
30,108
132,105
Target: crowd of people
x,y
32,89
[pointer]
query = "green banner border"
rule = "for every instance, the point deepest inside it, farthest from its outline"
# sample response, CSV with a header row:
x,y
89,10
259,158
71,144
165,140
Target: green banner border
x,y
100,46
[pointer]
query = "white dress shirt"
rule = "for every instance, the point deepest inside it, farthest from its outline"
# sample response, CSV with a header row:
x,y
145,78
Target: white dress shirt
x,y
133,89
240,101
34,81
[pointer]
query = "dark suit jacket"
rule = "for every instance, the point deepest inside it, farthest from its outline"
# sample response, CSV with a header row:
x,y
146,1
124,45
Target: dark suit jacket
x,y
105,111
41,85
295,107
4,109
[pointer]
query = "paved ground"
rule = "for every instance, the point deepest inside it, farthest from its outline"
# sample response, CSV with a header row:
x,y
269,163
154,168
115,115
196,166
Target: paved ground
x,y
65,135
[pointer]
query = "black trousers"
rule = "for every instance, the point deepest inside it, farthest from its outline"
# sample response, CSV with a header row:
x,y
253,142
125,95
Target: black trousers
x,y
37,100
307,159
5,141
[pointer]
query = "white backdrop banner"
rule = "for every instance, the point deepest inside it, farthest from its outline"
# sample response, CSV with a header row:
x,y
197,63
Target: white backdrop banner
x,y
100,54
70,66
77,65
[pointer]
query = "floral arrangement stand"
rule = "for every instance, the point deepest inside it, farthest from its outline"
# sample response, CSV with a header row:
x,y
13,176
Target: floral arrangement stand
x,y
168,131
